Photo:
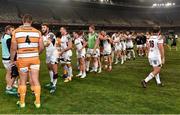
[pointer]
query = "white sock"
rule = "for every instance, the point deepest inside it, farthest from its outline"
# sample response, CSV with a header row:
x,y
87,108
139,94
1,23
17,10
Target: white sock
x,y
87,65
117,59
124,57
84,73
69,71
95,66
80,72
51,74
8,87
133,53
149,77
157,77
112,57
54,82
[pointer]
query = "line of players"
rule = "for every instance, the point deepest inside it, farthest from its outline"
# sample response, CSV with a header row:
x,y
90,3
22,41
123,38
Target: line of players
x,y
94,51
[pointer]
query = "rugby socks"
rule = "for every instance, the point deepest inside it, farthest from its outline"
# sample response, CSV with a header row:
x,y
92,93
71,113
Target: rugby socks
x,y
51,75
157,77
124,57
37,92
133,53
8,87
87,65
55,79
117,60
122,60
80,73
70,71
65,70
149,77
22,91
95,66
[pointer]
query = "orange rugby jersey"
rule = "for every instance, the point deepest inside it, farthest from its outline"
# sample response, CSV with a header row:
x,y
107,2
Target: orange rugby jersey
x,y
27,39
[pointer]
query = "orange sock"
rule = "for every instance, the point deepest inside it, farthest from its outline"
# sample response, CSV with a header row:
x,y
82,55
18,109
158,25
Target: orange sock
x,y
22,91
37,91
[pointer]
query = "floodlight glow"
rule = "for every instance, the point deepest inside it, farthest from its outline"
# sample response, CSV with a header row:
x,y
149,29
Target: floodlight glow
x,y
163,5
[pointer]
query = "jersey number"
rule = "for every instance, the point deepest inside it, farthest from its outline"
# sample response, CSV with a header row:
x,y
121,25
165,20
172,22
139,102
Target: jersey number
x,y
151,43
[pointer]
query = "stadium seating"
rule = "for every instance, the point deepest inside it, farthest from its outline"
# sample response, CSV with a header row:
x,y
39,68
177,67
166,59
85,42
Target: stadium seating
x,y
8,12
69,14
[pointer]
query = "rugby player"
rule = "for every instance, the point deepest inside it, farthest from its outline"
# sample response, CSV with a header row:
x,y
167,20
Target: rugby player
x,y
49,40
6,45
27,43
156,56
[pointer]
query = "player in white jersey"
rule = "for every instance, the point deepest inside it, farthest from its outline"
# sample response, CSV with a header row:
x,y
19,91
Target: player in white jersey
x,y
117,47
156,56
113,48
130,46
80,45
123,43
65,54
106,42
49,40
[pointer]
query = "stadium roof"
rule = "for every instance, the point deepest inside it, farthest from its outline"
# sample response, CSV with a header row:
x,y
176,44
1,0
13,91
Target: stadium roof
x,y
131,3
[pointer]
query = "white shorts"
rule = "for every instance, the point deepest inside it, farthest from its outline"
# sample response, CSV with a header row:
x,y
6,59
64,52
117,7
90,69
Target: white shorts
x,y
118,47
66,57
90,53
106,52
123,46
52,57
155,62
129,45
7,64
81,54
139,46
26,69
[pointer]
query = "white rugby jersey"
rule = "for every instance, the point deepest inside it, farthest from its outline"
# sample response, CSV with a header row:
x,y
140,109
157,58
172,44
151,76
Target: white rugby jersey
x,y
78,43
115,39
51,46
64,41
129,41
106,45
153,46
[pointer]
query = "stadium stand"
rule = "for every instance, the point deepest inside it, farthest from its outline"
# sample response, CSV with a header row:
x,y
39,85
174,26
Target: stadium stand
x,y
89,13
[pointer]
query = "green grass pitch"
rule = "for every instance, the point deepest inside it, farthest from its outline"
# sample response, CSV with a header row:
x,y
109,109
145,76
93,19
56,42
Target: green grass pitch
x,y
115,92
